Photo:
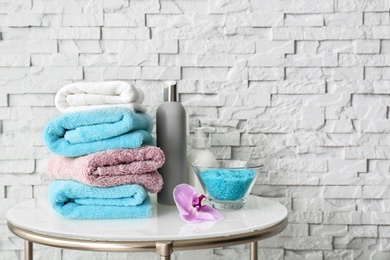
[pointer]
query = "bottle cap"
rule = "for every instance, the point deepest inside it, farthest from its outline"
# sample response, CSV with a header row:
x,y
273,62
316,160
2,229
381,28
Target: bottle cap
x,y
200,138
172,91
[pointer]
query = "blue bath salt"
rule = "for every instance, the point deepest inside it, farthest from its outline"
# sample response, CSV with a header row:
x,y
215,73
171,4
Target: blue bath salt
x,y
227,184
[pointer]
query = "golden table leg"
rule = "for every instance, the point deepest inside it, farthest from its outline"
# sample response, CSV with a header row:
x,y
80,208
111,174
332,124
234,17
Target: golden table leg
x,y
254,250
164,249
28,250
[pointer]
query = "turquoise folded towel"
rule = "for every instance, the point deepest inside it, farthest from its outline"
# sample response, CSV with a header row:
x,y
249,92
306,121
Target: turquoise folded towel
x,y
81,133
75,200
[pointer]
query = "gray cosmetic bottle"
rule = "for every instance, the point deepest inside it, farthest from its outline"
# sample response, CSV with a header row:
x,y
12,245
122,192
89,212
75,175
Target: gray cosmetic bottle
x,y
171,138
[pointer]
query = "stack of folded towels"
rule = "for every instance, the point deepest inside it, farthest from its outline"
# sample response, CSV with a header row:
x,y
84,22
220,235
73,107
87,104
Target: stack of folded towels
x,y
106,163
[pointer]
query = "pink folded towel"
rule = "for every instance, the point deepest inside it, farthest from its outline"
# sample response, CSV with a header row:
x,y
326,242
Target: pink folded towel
x,y
112,168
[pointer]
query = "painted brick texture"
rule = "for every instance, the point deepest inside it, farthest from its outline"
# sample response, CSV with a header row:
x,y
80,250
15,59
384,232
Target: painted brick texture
x,y
300,86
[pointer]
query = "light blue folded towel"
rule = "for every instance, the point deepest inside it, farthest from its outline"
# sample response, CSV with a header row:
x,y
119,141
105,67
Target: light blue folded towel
x,y
75,200
86,132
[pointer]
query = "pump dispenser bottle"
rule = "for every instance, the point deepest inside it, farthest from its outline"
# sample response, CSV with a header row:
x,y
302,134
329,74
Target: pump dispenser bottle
x,y
171,138
199,153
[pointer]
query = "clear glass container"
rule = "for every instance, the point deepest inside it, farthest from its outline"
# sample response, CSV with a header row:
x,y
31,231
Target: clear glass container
x,y
228,185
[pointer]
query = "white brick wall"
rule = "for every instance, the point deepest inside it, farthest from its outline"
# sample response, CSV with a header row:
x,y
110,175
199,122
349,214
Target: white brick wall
x,y
300,86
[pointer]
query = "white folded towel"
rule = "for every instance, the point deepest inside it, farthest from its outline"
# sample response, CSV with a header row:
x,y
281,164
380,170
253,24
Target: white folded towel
x,y
93,95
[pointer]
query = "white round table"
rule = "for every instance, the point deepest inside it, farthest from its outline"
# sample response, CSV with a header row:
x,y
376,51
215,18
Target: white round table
x,y
36,222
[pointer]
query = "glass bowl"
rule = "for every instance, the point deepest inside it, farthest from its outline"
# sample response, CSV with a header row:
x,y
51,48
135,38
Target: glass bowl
x,y
228,185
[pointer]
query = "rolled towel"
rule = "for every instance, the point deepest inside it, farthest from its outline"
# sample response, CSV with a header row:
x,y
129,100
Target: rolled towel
x,y
111,168
75,200
81,133
92,95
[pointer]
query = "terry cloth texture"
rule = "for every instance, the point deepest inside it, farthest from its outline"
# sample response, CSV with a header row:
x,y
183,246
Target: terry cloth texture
x,y
81,96
81,133
75,200
112,167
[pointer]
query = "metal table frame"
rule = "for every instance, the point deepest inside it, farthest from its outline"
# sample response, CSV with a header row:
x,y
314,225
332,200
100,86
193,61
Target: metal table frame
x,y
162,248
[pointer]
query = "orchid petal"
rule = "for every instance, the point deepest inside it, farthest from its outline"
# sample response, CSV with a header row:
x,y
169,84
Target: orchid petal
x,y
183,195
208,213
191,218
189,205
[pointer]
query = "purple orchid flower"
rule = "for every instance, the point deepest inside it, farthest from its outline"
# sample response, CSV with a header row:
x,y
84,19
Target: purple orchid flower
x,y
190,205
